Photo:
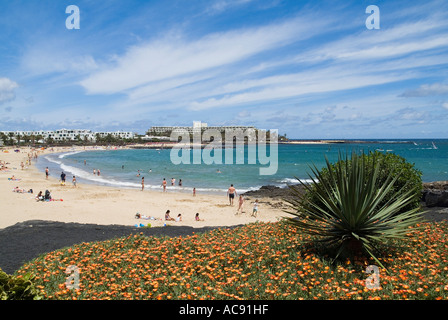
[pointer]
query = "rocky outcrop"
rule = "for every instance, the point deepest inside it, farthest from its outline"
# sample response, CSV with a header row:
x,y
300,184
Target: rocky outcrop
x,y
272,192
435,194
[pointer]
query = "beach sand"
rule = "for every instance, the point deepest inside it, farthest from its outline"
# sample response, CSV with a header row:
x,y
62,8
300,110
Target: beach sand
x,y
92,204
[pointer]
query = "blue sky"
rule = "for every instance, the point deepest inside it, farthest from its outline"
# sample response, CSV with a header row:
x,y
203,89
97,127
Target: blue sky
x,y
311,69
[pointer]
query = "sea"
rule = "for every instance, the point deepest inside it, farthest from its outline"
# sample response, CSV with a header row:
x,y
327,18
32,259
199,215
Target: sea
x,y
124,168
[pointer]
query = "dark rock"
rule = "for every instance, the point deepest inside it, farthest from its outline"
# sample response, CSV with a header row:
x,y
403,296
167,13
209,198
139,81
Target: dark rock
x,y
273,192
436,198
435,194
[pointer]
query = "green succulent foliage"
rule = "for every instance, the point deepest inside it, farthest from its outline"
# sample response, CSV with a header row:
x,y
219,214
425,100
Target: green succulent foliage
x,y
15,288
389,164
355,201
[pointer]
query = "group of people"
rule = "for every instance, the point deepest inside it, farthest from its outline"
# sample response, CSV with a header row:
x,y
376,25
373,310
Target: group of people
x,y
164,183
231,193
167,217
63,175
43,197
173,182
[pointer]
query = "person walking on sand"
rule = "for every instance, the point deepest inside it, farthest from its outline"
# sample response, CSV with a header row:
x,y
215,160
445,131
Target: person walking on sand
x,y
194,192
240,204
164,185
47,172
143,183
231,192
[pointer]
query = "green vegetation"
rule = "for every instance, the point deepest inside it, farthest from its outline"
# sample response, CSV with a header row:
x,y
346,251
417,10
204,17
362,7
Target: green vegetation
x,y
255,261
17,288
358,203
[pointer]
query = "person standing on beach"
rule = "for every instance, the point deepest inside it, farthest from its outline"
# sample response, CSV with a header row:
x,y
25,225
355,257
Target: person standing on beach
x,y
63,178
255,210
47,172
240,204
164,185
231,194
143,183
74,181
194,192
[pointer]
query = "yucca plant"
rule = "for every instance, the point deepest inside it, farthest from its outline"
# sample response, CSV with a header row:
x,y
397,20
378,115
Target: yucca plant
x,y
349,207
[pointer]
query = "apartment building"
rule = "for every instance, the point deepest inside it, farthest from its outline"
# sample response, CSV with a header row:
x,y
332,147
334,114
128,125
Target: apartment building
x,y
69,134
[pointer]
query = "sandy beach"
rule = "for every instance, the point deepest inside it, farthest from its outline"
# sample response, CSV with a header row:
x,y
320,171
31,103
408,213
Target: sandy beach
x,y
103,205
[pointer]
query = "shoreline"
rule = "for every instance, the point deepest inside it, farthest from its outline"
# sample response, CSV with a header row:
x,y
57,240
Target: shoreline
x,y
113,205
105,205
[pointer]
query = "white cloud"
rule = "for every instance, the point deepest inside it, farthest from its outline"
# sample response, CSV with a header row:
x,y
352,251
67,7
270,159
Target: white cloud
x,y
7,90
403,39
310,82
175,56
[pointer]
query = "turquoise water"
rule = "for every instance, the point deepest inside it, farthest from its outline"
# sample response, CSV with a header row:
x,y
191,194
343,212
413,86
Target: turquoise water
x,y
120,168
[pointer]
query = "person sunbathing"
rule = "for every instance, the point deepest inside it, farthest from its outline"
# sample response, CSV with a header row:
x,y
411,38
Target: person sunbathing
x,y
139,216
17,189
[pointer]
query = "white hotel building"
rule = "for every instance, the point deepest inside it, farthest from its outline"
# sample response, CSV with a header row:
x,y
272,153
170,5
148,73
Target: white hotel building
x,y
197,127
70,134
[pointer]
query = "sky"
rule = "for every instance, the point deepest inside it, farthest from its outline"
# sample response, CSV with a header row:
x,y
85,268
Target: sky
x,y
310,69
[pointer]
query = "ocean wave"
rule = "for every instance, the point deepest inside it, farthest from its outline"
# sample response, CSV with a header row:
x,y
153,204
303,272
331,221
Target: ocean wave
x,y
50,159
79,173
61,156
289,181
